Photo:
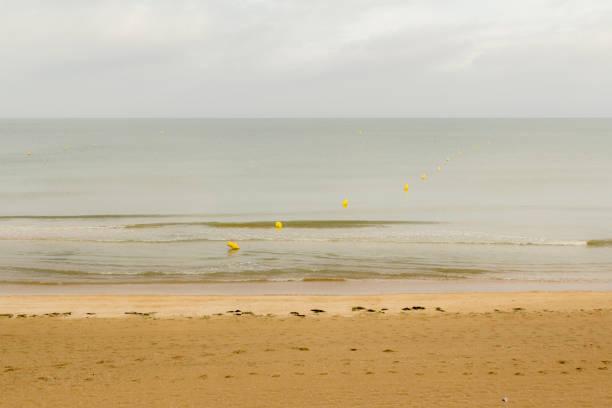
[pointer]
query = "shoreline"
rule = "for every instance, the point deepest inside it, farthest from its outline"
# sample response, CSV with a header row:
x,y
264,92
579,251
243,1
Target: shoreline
x,y
303,288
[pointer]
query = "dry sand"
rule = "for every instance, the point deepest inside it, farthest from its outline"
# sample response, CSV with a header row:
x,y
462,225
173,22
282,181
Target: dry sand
x,y
537,349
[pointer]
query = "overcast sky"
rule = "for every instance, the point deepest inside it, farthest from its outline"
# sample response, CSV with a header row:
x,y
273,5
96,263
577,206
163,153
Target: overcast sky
x,y
305,58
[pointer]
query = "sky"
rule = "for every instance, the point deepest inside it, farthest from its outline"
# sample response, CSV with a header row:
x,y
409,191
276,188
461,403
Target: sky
x,y
305,58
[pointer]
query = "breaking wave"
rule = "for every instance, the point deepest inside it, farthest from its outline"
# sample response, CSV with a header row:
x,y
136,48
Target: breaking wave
x,y
599,243
316,224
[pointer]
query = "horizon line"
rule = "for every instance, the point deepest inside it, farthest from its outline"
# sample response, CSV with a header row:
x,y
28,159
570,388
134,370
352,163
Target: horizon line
x,y
295,117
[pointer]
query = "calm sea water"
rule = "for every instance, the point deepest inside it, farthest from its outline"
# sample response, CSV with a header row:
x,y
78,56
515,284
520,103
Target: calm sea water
x,y
156,200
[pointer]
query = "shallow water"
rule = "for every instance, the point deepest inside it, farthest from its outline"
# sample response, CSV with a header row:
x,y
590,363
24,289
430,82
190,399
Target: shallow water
x,y
109,201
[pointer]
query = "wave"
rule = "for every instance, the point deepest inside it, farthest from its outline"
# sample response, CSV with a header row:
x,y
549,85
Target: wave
x,y
48,276
600,243
378,240
48,271
90,216
113,241
318,224
517,242
458,271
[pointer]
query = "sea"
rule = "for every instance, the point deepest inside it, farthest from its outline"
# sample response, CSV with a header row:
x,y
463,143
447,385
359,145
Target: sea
x,y
109,201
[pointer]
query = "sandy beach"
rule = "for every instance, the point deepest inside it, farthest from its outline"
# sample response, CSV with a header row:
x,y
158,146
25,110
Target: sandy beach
x,y
452,350
305,204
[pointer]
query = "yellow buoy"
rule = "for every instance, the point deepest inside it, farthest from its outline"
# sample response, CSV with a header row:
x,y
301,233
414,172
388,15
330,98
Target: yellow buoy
x,y
406,187
233,246
424,176
439,168
278,225
345,203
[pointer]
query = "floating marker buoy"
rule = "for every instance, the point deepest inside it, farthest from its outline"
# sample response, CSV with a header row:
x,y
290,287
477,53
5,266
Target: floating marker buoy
x,y
233,246
424,176
439,168
345,203
28,153
278,225
406,187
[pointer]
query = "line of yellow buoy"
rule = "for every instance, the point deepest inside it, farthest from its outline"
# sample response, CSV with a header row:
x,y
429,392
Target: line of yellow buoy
x,y
233,246
278,225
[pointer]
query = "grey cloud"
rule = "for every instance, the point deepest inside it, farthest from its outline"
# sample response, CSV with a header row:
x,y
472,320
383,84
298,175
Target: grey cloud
x,y
305,58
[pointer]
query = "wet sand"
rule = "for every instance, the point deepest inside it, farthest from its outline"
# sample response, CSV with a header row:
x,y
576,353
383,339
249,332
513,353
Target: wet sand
x,y
536,349
311,287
